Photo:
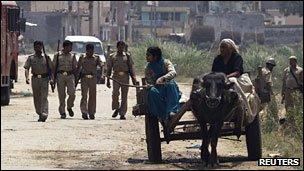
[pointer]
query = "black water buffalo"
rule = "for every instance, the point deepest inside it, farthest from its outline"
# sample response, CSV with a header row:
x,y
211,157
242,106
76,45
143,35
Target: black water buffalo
x,y
213,102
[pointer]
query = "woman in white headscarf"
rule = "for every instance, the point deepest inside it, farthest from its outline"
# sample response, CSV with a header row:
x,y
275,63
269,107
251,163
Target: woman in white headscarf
x,y
230,62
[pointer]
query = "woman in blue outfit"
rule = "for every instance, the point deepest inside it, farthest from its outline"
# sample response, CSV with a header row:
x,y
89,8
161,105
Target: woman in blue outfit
x,y
163,96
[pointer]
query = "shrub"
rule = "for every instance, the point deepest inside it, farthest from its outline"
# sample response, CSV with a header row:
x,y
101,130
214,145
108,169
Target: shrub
x,y
271,121
288,140
188,60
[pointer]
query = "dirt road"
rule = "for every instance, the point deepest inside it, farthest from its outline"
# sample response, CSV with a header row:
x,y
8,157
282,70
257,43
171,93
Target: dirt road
x,y
103,143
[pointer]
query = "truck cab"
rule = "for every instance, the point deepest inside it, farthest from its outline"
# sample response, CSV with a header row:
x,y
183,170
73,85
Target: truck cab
x,y
11,25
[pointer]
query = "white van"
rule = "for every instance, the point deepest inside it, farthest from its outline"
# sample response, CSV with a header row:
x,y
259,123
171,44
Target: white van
x,y
79,47
80,42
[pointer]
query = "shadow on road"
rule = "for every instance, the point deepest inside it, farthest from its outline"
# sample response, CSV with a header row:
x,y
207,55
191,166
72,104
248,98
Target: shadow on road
x,y
226,162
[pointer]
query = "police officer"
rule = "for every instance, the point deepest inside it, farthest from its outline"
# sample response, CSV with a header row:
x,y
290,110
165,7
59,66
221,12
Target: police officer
x,y
123,66
66,65
40,79
264,84
109,50
292,82
88,66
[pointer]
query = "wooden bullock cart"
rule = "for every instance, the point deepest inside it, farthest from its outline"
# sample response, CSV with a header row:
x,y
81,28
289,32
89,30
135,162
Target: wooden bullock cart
x,y
170,132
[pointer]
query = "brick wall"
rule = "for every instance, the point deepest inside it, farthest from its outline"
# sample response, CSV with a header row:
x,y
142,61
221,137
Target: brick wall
x,y
283,34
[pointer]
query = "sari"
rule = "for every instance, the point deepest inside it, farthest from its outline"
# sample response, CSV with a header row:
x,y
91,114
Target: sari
x,y
162,99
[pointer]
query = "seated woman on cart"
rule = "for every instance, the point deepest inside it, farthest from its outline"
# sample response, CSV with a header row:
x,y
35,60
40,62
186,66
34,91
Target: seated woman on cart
x,y
164,95
230,62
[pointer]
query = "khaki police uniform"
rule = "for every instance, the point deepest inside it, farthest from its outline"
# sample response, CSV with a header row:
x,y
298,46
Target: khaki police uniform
x,y
289,89
290,85
67,64
265,83
40,82
121,71
88,66
266,80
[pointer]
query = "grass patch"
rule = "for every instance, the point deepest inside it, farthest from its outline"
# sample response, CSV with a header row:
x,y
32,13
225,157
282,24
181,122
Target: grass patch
x,y
287,146
190,62
286,139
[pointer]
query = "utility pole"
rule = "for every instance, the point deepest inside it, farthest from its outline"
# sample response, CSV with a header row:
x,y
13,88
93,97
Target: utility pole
x,y
78,18
173,20
151,27
70,6
90,18
196,7
130,14
255,35
98,18
154,15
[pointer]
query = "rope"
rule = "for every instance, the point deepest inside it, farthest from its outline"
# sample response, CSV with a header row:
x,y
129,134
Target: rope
x,y
129,85
230,139
138,86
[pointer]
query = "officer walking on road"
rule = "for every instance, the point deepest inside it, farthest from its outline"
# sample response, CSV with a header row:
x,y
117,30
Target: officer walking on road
x,y
40,79
123,67
264,85
292,82
88,66
65,64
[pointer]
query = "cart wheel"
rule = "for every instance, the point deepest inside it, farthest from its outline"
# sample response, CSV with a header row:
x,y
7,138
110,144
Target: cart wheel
x,y
153,139
253,139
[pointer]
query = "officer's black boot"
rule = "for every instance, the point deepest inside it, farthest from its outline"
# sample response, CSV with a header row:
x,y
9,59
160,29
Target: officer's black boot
x,y
71,113
92,116
85,116
62,115
43,117
122,117
115,113
40,119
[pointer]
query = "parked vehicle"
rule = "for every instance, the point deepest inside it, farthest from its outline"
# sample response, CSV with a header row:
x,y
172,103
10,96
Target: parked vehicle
x,y
11,25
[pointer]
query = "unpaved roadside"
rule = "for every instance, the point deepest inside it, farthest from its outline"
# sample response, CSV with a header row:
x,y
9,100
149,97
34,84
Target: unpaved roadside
x,y
103,143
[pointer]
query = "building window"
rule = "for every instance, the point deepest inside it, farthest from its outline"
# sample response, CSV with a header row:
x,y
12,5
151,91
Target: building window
x,y
183,16
107,19
177,16
151,15
164,16
114,15
256,6
13,19
145,16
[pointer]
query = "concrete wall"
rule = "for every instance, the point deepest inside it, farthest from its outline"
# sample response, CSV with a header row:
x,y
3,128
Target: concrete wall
x,y
38,32
49,27
49,6
163,32
119,28
103,9
283,34
238,23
